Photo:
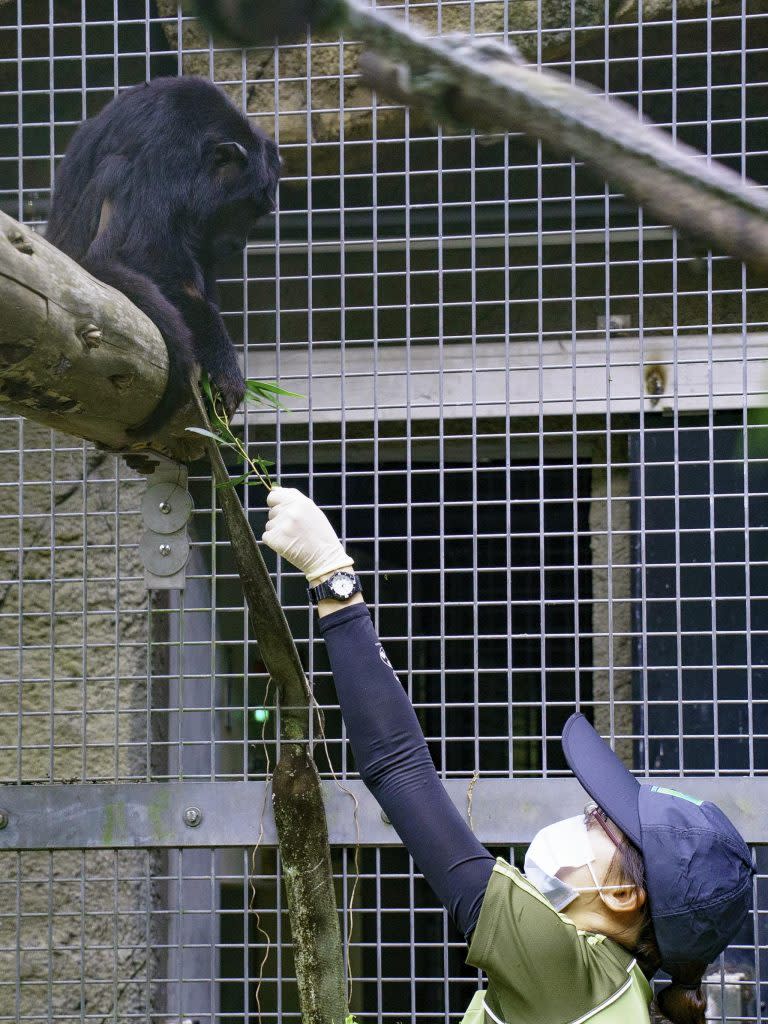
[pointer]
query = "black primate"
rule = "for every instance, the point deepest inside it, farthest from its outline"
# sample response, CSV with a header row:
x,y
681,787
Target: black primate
x,y
152,193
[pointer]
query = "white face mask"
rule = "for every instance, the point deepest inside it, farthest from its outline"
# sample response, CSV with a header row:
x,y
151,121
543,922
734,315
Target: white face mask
x,y
564,844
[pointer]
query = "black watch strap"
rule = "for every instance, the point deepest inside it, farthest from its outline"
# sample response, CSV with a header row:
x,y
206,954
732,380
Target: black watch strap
x,y
339,587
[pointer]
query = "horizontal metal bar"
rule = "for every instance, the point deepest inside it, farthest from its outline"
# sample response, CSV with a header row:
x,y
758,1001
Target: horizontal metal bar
x,y
664,373
521,240
209,814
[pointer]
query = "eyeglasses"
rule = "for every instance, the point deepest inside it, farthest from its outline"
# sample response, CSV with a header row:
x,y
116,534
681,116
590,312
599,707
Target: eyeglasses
x,y
593,812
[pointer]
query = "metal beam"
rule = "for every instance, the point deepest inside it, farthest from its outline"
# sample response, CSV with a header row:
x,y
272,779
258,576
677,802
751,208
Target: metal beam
x,y
210,814
685,373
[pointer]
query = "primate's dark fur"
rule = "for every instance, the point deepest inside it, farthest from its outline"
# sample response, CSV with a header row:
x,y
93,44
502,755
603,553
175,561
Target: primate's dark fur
x,y
152,193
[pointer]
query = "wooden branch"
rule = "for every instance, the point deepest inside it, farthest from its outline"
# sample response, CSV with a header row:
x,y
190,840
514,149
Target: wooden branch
x,y
270,625
300,818
77,355
537,26
486,85
478,83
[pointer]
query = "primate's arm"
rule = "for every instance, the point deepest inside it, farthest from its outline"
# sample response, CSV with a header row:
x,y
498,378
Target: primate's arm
x,y
212,343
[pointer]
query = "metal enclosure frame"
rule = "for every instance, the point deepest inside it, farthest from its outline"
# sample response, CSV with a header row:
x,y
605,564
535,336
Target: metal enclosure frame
x,y
537,418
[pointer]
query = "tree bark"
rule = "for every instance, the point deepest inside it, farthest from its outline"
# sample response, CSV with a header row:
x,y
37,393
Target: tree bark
x,y
77,355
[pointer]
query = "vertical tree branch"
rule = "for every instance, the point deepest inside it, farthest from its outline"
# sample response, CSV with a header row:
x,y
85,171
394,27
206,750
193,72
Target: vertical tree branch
x,y
299,810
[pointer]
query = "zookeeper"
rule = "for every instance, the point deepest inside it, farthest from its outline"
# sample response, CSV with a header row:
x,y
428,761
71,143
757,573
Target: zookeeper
x,y
645,878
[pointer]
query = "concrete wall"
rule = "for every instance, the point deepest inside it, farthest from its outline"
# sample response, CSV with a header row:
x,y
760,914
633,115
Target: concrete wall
x,y
73,700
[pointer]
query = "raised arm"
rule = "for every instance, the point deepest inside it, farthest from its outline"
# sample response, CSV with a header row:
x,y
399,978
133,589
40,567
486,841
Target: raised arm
x,y
389,747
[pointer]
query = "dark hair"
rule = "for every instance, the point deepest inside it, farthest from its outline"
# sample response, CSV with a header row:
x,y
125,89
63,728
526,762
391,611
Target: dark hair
x,y
682,1002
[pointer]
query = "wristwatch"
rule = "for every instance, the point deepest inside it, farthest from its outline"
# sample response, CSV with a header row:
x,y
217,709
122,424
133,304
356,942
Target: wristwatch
x,y
340,586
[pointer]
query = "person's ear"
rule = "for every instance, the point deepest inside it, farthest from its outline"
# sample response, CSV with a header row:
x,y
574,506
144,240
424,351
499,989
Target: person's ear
x,y
624,901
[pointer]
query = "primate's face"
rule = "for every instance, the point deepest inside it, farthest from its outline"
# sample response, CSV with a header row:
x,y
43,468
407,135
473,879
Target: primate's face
x,y
246,178
229,229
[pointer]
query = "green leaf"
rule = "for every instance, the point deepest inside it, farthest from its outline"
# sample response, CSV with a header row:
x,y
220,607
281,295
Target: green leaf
x,y
208,433
270,387
265,393
252,400
205,382
233,483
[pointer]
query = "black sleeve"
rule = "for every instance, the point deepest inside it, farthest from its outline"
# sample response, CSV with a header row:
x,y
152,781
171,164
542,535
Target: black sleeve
x,y
394,762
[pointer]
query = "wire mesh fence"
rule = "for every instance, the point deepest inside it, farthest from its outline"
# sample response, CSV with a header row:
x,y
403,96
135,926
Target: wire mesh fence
x,y
537,416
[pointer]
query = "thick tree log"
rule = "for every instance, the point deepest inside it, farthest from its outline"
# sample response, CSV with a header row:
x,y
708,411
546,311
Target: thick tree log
x,y
75,354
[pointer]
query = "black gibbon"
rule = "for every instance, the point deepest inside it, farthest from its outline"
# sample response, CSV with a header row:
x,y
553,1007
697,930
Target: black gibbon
x,y
153,192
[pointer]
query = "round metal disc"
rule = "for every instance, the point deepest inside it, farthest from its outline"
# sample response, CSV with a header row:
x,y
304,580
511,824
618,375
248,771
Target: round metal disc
x,y
166,507
164,554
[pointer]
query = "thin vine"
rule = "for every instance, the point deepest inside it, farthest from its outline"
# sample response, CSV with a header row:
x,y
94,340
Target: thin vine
x,y
252,907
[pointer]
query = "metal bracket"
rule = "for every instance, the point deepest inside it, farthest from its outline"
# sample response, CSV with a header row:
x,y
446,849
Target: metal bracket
x,y
166,509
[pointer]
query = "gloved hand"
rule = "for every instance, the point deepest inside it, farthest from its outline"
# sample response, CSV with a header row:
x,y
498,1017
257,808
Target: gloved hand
x,y
299,531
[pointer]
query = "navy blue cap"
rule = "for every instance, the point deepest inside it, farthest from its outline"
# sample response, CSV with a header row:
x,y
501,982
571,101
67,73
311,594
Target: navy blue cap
x,y
698,868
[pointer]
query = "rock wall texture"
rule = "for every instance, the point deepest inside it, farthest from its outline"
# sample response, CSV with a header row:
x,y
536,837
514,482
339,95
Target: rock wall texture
x,y
73,708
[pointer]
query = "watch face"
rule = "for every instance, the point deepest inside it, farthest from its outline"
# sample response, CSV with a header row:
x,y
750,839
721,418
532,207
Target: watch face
x,y
341,586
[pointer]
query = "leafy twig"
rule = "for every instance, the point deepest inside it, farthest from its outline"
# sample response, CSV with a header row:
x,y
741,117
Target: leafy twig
x,y
257,392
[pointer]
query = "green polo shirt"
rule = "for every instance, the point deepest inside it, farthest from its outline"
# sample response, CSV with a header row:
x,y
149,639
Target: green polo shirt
x,y
542,970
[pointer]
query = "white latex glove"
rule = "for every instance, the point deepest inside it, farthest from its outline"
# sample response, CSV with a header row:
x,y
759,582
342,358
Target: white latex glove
x,y
299,531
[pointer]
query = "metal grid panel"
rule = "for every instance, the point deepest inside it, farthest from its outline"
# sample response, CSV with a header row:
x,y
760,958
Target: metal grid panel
x,y
126,935
533,405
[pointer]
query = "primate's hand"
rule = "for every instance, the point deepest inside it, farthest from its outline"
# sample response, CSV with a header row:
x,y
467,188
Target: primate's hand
x,y
299,531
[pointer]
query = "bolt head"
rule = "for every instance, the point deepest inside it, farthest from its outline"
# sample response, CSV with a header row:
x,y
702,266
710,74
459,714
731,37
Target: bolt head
x,y
165,550
3,819
164,507
193,816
